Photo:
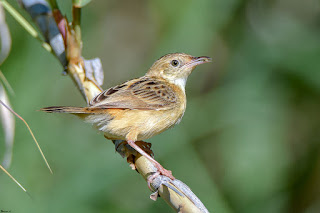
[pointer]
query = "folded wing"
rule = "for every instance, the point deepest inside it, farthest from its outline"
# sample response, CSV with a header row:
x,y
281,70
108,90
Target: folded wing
x,y
142,93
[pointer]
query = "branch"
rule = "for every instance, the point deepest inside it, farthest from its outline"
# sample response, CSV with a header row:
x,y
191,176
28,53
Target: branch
x,y
88,77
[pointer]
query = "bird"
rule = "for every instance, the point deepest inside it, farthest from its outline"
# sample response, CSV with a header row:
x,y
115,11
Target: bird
x,y
141,108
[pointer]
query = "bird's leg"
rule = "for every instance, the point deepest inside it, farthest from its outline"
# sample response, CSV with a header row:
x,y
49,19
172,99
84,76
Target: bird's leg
x,y
145,146
161,170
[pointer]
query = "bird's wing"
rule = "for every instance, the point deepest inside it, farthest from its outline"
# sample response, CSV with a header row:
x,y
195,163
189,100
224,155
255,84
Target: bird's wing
x,y
142,93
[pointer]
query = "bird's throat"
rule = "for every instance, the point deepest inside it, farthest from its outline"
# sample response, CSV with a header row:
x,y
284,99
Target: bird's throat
x,y
180,82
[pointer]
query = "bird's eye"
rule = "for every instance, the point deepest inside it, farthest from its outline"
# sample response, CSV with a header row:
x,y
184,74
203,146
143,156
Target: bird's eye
x,y
175,63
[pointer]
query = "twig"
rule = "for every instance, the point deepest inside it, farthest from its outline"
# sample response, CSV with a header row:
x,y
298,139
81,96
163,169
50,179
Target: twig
x,y
76,15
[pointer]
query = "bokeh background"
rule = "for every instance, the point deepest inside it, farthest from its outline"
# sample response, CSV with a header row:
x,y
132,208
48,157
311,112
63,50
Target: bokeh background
x,y
249,140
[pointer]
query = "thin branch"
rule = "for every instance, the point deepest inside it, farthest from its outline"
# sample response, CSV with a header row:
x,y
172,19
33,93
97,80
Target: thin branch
x,y
76,15
176,193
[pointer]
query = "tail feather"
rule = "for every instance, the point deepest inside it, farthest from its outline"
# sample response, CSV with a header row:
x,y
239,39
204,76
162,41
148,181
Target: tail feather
x,y
64,109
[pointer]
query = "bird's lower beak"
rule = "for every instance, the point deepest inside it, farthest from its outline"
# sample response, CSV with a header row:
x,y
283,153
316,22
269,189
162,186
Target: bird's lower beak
x,y
195,61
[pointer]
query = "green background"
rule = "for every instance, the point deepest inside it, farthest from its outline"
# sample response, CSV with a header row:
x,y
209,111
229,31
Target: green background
x,y
250,137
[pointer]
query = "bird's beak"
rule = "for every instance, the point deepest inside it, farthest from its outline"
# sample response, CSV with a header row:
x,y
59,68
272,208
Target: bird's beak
x,y
195,61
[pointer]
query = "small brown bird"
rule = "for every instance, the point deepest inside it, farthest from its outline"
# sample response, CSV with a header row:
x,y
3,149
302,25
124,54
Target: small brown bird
x,y
143,107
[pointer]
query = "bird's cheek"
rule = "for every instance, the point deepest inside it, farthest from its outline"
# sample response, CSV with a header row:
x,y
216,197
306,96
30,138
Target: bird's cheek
x,y
166,72
183,73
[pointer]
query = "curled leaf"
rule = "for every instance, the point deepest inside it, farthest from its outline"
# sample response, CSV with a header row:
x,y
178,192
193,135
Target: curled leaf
x,y
8,127
5,38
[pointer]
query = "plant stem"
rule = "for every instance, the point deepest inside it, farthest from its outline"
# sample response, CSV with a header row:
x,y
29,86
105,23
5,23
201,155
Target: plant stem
x,y
76,21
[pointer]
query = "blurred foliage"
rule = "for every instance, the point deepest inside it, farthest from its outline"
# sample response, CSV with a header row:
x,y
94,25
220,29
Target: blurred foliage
x,y
250,138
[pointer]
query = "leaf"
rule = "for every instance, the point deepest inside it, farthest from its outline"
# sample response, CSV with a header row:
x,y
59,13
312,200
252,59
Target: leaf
x,y
8,126
5,38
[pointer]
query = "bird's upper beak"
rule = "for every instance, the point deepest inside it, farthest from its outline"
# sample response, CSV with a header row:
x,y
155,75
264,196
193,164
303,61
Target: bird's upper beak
x,y
195,61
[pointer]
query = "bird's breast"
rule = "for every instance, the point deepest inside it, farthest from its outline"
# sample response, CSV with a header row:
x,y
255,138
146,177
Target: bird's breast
x,y
118,123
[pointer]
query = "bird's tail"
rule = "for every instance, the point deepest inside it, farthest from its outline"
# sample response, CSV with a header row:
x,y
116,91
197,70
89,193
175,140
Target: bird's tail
x,y
64,109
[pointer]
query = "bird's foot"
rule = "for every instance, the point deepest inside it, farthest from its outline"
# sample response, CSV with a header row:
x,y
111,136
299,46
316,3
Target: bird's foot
x,y
161,171
164,171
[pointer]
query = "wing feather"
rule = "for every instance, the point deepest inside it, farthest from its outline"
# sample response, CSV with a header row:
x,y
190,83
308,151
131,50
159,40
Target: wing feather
x,y
142,93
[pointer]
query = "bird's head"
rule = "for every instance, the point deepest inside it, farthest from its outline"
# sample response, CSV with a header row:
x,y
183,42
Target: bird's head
x,y
176,67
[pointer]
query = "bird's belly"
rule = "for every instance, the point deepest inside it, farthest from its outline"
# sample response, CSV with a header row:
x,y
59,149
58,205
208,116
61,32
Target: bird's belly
x,y
146,123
